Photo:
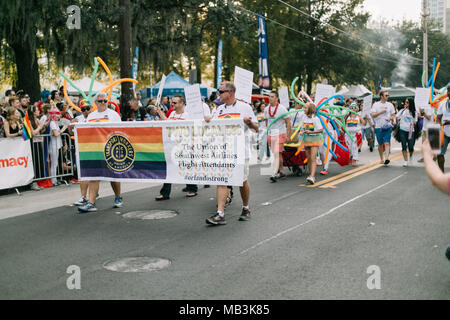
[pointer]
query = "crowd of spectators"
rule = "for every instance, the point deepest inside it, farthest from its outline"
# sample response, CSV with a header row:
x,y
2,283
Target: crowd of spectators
x,y
52,121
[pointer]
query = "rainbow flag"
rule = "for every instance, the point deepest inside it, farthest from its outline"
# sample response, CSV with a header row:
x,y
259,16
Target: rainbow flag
x,y
309,126
260,118
230,116
27,129
121,153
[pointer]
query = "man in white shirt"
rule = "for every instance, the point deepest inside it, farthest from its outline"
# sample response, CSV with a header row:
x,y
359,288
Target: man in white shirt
x,y
102,114
383,113
443,118
278,134
82,118
232,108
426,112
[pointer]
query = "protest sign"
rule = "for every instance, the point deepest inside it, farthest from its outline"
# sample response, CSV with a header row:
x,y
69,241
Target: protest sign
x,y
243,80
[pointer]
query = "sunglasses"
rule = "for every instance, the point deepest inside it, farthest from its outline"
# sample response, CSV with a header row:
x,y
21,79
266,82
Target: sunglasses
x,y
85,109
223,91
102,101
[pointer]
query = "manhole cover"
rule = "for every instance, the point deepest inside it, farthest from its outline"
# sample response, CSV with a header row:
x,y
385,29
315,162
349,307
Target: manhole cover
x,y
137,264
151,214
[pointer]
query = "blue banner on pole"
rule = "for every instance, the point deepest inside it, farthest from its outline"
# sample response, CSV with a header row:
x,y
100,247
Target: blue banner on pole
x,y
219,64
135,67
264,79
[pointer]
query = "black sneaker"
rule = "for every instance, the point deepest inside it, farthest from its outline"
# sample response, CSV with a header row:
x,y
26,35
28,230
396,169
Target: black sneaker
x,y
228,201
273,179
245,215
216,220
281,175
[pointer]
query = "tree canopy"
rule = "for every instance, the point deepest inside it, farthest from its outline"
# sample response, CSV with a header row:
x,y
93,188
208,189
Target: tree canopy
x,y
311,39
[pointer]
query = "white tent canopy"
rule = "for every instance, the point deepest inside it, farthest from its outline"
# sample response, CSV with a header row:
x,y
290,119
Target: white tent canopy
x,y
356,91
84,84
343,90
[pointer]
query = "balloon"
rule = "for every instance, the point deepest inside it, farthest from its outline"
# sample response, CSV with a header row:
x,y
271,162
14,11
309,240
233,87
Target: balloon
x,y
92,80
108,72
329,134
66,96
115,104
106,89
74,86
293,95
335,96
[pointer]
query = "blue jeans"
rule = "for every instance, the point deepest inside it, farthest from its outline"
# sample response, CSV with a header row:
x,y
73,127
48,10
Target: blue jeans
x,y
446,142
407,142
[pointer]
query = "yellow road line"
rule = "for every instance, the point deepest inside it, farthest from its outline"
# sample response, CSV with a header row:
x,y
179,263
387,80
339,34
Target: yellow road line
x,y
340,175
334,183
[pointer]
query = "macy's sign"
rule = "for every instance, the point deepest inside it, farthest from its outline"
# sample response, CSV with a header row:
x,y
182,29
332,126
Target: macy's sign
x,y
14,162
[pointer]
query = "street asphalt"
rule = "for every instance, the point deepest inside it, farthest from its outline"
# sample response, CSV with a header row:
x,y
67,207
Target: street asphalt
x,y
301,243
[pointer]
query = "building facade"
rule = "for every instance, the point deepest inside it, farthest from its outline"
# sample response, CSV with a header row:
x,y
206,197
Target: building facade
x,y
439,13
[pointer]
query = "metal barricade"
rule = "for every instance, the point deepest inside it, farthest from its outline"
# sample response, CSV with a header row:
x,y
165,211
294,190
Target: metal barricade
x,y
51,162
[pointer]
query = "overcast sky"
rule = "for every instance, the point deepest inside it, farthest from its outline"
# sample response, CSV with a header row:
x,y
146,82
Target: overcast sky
x,y
394,9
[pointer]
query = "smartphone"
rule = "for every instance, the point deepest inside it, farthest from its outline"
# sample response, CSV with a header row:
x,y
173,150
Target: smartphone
x,y
434,136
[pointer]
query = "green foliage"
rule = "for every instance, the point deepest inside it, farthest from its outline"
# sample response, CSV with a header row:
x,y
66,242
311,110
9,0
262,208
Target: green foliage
x,y
181,35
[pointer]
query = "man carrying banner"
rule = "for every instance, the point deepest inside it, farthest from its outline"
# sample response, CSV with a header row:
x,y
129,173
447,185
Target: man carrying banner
x,y
278,133
178,113
102,114
232,108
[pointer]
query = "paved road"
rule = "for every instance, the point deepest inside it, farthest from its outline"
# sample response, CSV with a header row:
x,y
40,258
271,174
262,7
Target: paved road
x,y
308,243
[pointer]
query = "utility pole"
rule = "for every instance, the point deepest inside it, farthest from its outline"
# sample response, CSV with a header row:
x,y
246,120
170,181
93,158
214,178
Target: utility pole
x,y
425,38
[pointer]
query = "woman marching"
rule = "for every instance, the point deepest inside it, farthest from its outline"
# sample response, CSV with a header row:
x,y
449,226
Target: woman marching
x,y
408,119
311,137
263,150
353,122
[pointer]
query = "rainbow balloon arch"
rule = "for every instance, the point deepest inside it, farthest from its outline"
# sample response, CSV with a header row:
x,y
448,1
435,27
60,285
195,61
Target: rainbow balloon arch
x,y
88,98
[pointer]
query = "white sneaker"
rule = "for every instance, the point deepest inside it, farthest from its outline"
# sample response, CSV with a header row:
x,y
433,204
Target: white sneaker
x,y
405,163
35,186
311,180
81,202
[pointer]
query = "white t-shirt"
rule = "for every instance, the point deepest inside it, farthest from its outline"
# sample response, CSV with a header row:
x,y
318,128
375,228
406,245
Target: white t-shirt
x,y
311,124
444,109
106,116
353,125
428,112
238,110
367,125
406,119
296,118
261,121
81,119
182,116
271,113
384,118
55,142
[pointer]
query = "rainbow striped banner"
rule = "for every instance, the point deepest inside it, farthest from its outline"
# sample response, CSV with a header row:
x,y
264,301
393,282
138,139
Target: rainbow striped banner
x,y
184,152
124,153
